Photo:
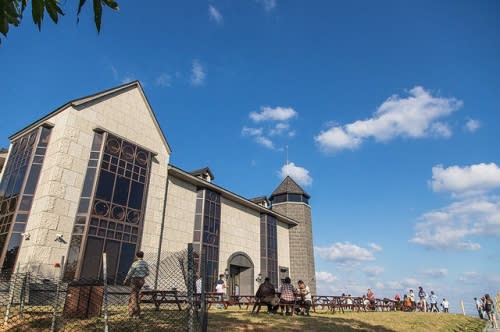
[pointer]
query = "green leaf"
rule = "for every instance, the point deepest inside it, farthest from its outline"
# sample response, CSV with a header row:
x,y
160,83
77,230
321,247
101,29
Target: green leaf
x,y
97,14
4,26
80,5
37,12
111,4
24,3
53,9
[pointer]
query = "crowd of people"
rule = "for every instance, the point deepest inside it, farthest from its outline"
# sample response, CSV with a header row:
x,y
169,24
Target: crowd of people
x,y
486,309
422,301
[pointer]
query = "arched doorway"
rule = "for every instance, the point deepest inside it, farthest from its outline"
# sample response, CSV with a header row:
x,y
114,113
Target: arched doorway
x,y
241,274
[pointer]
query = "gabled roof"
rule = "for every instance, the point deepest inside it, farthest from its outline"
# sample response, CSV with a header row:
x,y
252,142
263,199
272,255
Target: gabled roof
x,y
258,199
288,186
203,171
186,176
93,98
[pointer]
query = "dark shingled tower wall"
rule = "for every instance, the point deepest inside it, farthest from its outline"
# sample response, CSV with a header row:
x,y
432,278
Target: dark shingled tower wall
x,y
291,200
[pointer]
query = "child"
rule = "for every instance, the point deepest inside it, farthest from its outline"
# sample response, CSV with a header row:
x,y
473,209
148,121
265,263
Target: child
x,y
445,305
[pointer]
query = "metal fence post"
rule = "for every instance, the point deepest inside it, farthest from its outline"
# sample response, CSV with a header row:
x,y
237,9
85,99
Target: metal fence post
x,y
22,296
105,275
190,285
11,296
204,311
56,301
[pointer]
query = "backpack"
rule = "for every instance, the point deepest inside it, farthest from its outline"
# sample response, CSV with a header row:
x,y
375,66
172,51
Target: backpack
x,y
488,306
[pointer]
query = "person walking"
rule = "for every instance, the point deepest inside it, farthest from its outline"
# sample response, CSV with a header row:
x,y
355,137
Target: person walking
x,y
433,300
489,308
138,271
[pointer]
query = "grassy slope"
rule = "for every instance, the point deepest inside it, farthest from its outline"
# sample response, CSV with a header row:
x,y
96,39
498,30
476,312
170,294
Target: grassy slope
x,y
348,322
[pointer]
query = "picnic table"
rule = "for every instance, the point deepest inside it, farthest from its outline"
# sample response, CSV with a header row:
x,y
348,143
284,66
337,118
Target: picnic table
x,y
158,296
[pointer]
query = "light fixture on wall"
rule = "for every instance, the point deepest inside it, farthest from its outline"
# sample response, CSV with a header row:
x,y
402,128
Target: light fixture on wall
x,y
226,273
259,278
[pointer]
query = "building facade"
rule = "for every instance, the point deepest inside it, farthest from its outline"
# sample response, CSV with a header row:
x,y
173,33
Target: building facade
x,y
93,176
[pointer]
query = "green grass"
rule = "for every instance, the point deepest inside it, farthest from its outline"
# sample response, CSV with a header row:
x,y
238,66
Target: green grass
x,y
234,319
346,322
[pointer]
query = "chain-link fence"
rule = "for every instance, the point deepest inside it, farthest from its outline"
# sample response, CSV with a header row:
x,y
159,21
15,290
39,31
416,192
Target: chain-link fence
x,y
167,301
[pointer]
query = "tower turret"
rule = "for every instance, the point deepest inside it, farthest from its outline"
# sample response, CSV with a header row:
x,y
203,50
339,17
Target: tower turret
x,y
291,200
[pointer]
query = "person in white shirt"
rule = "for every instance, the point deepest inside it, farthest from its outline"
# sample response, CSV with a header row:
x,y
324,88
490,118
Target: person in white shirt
x,y
305,294
220,287
445,305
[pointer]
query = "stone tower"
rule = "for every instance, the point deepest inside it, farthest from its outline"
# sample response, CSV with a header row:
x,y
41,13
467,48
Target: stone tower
x,y
291,200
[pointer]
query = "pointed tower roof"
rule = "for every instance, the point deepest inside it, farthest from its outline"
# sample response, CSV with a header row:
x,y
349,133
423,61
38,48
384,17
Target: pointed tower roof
x,y
289,186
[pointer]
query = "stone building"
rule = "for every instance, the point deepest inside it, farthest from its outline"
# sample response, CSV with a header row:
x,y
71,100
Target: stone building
x,y
94,176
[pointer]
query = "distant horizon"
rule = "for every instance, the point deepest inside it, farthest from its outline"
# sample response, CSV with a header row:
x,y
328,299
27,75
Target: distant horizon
x,y
386,113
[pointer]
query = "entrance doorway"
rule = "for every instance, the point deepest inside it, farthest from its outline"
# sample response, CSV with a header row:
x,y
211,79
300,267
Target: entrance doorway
x,y
241,273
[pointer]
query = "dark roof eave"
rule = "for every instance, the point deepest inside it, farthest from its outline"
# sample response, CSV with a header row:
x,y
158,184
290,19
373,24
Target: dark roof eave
x,y
229,194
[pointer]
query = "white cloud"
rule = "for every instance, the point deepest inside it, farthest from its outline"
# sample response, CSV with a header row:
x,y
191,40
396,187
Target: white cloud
x,y
472,125
337,139
273,114
440,129
436,272
375,247
373,271
325,276
268,4
279,129
265,142
410,283
454,226
197,73
414,116
344,252
469,179
251,131
214,14
164,80
299,174
257,134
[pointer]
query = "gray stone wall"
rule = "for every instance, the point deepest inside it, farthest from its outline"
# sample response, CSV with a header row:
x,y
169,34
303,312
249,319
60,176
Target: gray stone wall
x,y
301,243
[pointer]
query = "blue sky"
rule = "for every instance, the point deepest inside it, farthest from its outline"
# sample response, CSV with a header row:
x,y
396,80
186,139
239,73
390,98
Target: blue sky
x,y
389,111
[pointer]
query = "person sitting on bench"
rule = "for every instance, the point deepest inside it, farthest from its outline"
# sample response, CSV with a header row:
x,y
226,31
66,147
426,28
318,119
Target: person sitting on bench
x,y
287,297
266,295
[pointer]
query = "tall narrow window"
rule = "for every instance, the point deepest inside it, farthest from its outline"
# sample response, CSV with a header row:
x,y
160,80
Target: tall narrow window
x,y
206,235
17,189
269,247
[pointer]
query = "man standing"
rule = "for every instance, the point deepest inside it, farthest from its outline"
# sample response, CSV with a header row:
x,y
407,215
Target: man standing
x,y
220,287
422,296
136,274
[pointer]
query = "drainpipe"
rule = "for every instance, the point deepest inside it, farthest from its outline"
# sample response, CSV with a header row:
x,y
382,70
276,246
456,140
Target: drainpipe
x,y
164,212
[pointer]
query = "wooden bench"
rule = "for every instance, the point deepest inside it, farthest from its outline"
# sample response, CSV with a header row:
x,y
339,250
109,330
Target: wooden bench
x,y
215,298
242,300
158,297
